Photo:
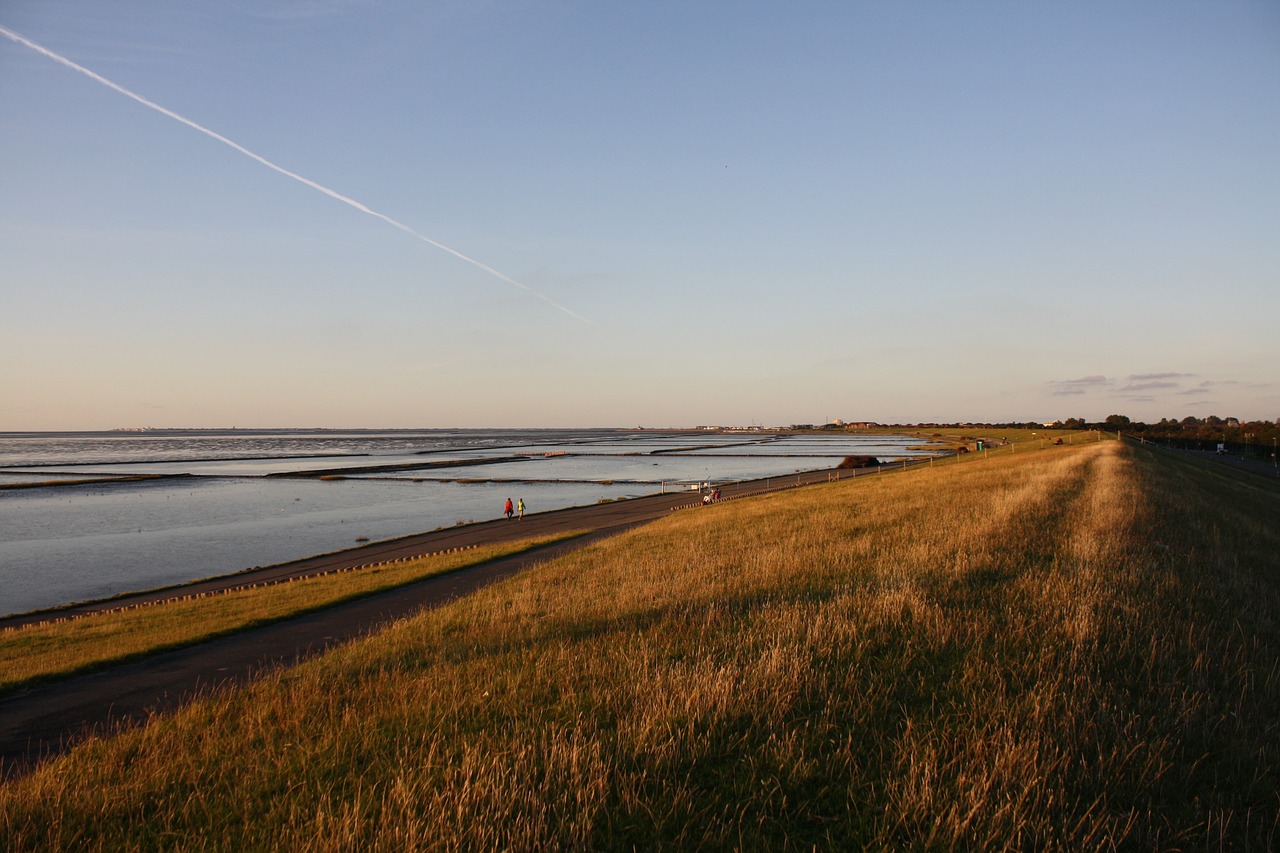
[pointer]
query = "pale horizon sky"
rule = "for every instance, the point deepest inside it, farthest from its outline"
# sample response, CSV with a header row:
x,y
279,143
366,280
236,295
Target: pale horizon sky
x,y
664,214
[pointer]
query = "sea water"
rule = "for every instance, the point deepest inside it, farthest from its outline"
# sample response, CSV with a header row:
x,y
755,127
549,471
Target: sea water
x,y
79,542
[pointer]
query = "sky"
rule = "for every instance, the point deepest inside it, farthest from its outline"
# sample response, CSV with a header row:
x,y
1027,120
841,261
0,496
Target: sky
x,y
396,213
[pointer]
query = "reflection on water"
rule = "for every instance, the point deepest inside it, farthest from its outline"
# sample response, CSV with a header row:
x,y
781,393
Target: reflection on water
x,y
71,543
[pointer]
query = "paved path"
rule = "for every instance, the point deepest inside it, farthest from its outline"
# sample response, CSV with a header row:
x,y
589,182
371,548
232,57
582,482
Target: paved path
x,y
1265,467
47,719
1258,466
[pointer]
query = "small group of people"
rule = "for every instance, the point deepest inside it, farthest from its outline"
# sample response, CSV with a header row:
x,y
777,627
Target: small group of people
x,y
711,497
509,510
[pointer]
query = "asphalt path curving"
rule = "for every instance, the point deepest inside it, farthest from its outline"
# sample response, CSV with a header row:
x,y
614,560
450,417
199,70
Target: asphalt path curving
x,y
46,719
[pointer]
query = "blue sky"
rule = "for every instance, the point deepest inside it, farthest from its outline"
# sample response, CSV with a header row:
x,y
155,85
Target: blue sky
x,y
750,213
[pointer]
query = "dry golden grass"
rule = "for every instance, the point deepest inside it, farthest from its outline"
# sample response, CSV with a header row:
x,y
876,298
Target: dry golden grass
x,y
1070,649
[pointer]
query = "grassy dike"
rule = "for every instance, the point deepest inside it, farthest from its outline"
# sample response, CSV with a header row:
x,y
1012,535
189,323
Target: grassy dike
x,y
1074,648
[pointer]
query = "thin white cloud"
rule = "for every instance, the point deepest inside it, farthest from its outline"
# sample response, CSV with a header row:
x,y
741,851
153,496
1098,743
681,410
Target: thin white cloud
x,y
1140,377
1074,387
1146,386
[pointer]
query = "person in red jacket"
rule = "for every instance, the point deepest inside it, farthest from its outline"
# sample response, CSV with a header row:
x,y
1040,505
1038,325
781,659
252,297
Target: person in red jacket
x,y
508,509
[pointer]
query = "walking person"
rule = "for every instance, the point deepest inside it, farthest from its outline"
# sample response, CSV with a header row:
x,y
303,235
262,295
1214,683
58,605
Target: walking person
x,y
520,507
507,509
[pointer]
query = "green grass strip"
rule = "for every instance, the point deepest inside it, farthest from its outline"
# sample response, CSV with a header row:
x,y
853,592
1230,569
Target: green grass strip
x,y
53,650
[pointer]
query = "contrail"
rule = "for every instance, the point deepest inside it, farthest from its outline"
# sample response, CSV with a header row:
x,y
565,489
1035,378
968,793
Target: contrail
x,y
44,51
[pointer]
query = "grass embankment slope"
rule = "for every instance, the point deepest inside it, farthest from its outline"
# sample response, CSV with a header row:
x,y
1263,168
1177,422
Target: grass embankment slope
x,y
1075,649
